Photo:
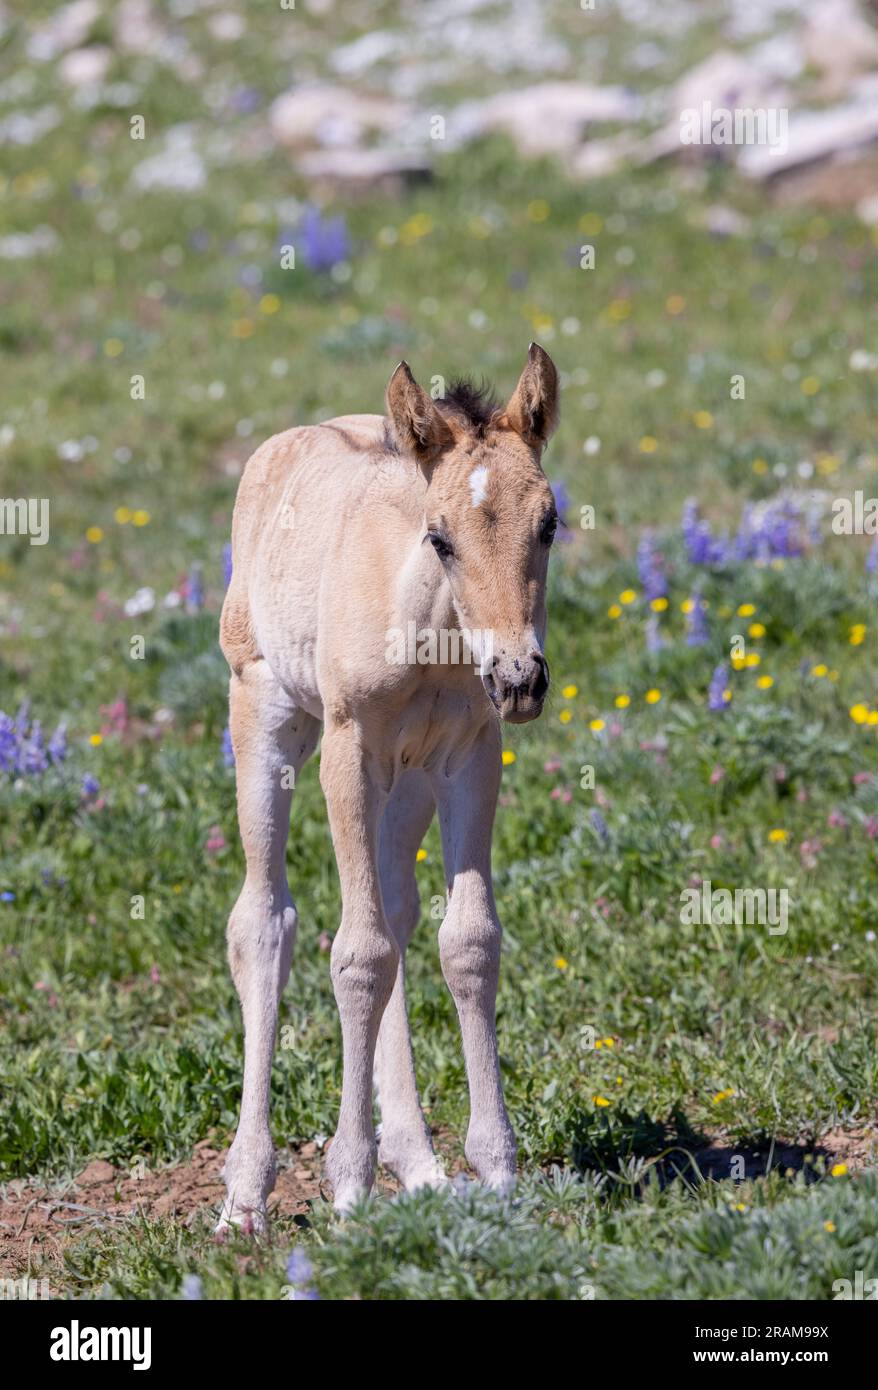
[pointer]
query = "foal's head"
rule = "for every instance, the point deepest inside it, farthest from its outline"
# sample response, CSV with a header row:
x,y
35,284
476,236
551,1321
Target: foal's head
x,y
490,517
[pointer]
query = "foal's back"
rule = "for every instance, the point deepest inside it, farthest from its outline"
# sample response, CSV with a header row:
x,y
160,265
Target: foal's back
x,y
322,516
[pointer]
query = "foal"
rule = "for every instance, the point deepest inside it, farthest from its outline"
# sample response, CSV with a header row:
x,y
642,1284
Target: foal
x,y
437,519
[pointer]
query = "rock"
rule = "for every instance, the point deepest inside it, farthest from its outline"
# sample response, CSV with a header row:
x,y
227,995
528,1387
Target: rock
x,y
356,168
839,42
813,136
85,67
95,1173
548,118
331,116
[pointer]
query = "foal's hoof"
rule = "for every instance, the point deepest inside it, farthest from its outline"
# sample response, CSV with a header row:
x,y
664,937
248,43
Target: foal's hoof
x,y
249,1221
501,1182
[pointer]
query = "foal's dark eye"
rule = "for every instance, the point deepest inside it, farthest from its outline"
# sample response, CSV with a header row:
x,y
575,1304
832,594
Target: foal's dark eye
x,y
441,547
548,529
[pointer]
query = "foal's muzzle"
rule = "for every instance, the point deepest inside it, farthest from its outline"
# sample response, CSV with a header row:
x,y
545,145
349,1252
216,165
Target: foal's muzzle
x,y
517,686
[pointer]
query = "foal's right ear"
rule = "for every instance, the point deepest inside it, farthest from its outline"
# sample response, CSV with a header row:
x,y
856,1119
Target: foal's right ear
x,y
419,426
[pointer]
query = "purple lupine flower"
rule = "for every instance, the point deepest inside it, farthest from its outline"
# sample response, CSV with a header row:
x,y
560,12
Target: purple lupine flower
x,y
300,1272
227,564
697,633
600,827
195,590
325,241
227,749
8,744
6,896
745,542
22,718
716,694
649,568
872,558
57,748
32,751
562,507
696,534
90,785
192,1290
654,640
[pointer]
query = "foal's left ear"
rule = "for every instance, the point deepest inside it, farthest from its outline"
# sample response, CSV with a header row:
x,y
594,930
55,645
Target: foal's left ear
x,y
533,406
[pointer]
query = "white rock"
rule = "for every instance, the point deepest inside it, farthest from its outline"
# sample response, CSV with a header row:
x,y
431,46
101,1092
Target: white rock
x,y
315,115
547,118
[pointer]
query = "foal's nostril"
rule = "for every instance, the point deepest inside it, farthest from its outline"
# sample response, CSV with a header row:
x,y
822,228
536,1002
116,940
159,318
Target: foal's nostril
x,y
541,680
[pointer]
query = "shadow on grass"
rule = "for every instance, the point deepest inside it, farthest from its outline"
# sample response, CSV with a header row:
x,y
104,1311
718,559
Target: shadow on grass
x,y
630,1147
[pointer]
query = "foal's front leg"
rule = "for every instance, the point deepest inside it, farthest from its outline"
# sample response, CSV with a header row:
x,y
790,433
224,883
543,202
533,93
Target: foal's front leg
x,y
364,954
469,949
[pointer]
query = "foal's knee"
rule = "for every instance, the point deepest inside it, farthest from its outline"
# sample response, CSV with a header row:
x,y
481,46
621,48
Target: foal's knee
x,y
363,969
469,950
260,936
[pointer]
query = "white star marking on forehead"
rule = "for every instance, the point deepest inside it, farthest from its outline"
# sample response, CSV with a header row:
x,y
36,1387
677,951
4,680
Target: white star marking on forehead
x,y
478,484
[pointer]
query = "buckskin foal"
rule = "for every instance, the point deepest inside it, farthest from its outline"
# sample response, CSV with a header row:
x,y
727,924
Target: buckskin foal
x,y
438,515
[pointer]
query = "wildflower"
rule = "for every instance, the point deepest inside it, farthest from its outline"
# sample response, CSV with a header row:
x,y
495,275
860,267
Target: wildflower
x,y
856,634
756,630
622,701
716,841
215,841
570,691
628,596
552,765
649,568
596,725
7,896
614,611
746,610
820,670
859,713
300,1272
777,836
565,716
765,682
600,826
421,856
838,1170
508,757
601,1101
325,241
829,1226
654,640
90,785
194,590
192,1289
697,634
228,751
652,697
870,825
560,963
94,535
718,694
717,775
837,821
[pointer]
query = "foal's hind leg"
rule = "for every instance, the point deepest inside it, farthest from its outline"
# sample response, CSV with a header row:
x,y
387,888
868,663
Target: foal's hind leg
x,y
271,739
405,1147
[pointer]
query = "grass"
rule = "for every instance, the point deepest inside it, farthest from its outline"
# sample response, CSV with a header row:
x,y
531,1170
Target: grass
x,y
120,1034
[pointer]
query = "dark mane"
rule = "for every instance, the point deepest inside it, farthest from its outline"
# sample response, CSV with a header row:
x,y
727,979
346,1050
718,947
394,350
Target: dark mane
x,y
477,404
